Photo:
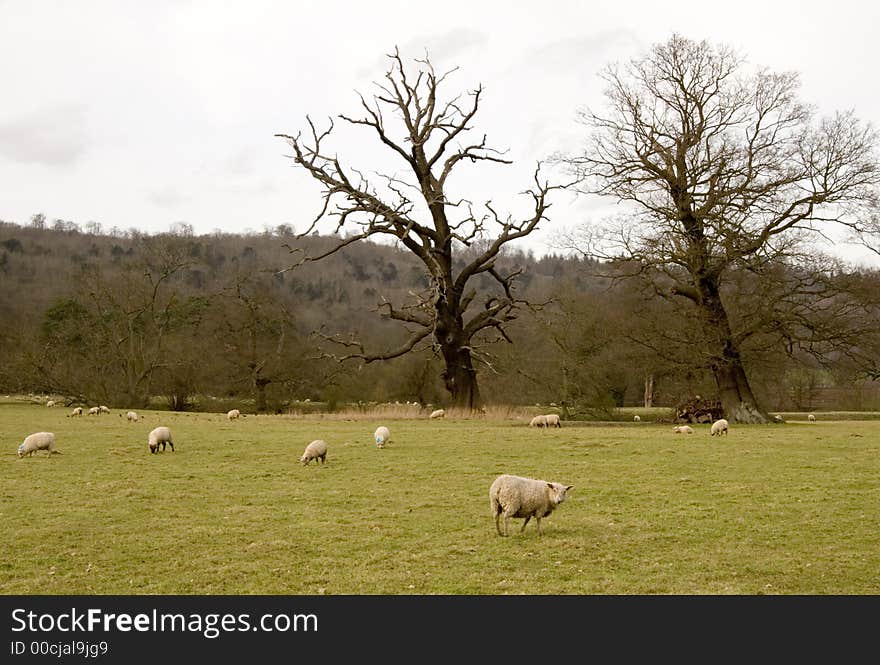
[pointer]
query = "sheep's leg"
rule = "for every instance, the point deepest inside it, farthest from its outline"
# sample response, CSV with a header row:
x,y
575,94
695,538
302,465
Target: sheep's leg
x,y
538,519
498,523
171,443
507,525
528,517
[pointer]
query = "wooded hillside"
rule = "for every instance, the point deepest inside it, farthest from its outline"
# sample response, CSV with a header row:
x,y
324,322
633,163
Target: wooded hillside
x,y
121,318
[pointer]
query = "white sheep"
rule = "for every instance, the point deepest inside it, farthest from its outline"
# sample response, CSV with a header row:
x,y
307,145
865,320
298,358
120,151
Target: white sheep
x,y
103,409
94,411
76,412
811,418
719,427
683,429
636,418
50,403
538,421
552,420
439,413
160,435
381,436
39,441
317,449
233,414
131,417
778,419
515,496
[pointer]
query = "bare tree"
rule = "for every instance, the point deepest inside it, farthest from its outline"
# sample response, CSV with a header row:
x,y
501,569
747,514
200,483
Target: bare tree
x,y
722,169
112,341
258,337
410,120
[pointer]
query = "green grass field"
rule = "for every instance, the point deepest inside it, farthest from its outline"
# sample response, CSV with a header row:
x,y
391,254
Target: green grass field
x,y
776,509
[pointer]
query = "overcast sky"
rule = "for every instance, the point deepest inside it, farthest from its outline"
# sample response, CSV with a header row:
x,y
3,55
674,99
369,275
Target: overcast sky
x,y
143,114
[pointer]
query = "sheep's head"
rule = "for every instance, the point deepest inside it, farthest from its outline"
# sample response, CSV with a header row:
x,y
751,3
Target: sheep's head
x,y
557,492
304,460
154,446
21,450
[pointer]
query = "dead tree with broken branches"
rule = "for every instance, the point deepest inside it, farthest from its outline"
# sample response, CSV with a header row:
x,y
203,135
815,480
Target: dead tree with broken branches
x,y
409,117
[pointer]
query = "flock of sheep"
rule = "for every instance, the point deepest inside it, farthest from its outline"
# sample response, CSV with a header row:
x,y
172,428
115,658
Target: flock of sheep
x,y
509,496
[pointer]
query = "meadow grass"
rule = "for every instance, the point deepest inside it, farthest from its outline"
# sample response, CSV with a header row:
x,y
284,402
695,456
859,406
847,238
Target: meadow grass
x,y
779,509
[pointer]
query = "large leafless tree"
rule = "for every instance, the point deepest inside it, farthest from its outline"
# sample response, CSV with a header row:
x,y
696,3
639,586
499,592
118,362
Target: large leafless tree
x,y
431,136
721,169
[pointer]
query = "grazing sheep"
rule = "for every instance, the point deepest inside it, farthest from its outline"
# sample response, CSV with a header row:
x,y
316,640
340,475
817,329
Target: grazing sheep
x,y
131,417
636,418
514,496
719,427
811,418
317,449
552,420
160,435
103,409
94,411
439,413
778,419
233,414
39,441
78,411
538,421
381,435
50,403
683,429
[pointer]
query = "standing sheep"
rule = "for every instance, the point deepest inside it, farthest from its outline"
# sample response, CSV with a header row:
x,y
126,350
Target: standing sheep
x,y
719,427
131,417
94,411
317,449
39,441
103,409
50,403
552,420
811,418
538,421
381,435
160,435
439,413
233,414
514,496
636,418
683,429
78,411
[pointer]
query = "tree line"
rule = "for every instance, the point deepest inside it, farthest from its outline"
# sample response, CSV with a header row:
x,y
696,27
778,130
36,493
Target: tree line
x,y
128,318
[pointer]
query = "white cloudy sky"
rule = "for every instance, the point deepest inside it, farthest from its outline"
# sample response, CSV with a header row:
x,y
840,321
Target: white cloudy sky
x,y
142,114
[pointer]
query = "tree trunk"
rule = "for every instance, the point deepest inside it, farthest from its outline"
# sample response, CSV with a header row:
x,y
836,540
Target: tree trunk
x,y
736,395
460,378
737,398
649,391
260,384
